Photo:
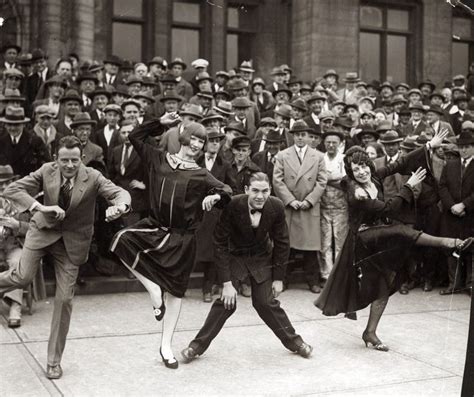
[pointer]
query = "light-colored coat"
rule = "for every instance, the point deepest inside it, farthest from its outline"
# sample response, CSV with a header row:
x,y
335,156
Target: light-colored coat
x,y
77,228
306,181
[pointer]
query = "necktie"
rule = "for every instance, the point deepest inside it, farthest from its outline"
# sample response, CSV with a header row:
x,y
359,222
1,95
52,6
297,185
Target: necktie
x,y
65,195
125,157
300,155
271,158
463,166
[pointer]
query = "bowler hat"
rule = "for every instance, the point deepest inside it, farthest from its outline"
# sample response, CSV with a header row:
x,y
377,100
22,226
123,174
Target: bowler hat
x,y
240,141
205,94
145,95
213,132
390,136
95,67
13,72
212,116
7,174
169,78
38,54
427,82
367,130
465,138
418,107
235,126
170,95
126,65
294,80
284,111
461,98
237,84
224,107
178,61
11,45
241,102
282,89
299,126
224,93
133,79
246,66
414,91
383,126
387,84
71,95
191,110
327,114
404,111
203,76
258,80
121,90
334,132
273,136
113,60
404,85
14,115
82,118
438,94
100,91
398,98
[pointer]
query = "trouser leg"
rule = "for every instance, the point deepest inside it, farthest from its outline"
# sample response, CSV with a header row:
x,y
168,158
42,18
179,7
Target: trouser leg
x,y
327,233
270,311
215,320
13,260
210,275
454,272
66,274
311,267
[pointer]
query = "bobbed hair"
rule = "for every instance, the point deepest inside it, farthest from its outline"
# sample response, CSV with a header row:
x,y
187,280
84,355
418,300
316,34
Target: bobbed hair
x,y
357,155
192,129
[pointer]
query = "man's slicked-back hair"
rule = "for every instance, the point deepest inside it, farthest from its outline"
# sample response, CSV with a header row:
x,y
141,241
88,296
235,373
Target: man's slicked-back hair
x,y
69,142
259,177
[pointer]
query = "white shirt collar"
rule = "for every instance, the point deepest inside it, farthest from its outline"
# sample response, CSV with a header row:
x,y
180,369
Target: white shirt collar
x,y
16,138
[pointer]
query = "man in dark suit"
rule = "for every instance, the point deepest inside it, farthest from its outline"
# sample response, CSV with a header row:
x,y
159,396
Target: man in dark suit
x,y
39,76
61,227
108,137
251,240
456,190
315,103
21,149
265,160
416,125
70,105
213,161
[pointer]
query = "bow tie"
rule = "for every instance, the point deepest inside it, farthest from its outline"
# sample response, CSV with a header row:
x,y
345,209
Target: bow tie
x,y
254,210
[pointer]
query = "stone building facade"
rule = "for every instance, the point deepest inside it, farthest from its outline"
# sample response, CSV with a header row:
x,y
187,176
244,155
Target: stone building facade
x,y
398,40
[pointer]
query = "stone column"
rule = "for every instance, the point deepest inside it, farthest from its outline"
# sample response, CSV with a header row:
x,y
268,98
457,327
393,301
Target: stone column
x,y
83,32
162,28
50,39
217,34
102,28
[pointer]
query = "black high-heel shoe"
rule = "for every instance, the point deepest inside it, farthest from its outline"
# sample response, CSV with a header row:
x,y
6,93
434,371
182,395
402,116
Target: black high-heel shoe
x,y
167,362
159,312
374,341
459,247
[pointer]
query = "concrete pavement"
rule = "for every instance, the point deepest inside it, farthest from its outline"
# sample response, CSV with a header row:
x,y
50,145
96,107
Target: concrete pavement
x,y
113,349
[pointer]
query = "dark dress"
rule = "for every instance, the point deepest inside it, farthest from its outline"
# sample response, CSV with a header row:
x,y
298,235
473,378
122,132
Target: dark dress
x,y
162,246
370,265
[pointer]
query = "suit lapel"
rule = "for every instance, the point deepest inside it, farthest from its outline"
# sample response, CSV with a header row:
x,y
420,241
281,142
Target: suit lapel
x,y
133,156
468,171
79,188
292,159
53,184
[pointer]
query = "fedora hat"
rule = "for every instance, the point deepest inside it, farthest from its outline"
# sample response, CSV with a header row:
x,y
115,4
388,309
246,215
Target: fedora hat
x,y
213,132
417,106
383,126
465,138
12,95
402,85
87,76
427,82
331,72
344,122
222,73
203,76
316,97
71,95
170,95
246,66
467,125
224,93
282,89
212,116
390,136
7,174
351,77
286,68
267,121
158,61
178,61
300,126
44,110
436,109
438,94
82,118
191,110
205,94
367,130
299,103
305,87
240,141
404,111
14,115
133,79
100,91
387,84
95,66
414,91
398,98
284,110
144,95
277,70
56,80
169,78
334,132
24,59
121,90
241,102
273,136
409,143
237,84
11,45
235,126
38,54
327,114
113,60
461,98
294,80
224,107
126,65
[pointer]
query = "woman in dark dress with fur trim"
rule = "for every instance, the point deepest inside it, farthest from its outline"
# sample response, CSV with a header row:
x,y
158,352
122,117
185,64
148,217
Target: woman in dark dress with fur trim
x,y
159,250
370,266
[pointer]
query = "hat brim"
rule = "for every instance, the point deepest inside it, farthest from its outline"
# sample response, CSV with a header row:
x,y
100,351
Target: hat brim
x,y
391,141
169,98
333,133
171,64
197,115
222,111
9,121
75,124
8,178
16,47
248,70
288,92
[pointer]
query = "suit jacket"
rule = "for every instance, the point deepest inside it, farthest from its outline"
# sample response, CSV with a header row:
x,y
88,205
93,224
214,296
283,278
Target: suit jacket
x,y
92,152
305,181
287,140
347,97
184,89
456,188
77,228
50,140
311,124
33,84
261,160
456,120
98,138
242,250
410,130
26,156
134,169
62,129
100,122
443,125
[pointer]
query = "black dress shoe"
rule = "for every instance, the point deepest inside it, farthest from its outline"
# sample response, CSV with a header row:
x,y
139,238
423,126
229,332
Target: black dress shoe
x,y
207,297
428,286
450,290
81,281
168,364
315,289
404,289
54,371
14,322
305,350
189,354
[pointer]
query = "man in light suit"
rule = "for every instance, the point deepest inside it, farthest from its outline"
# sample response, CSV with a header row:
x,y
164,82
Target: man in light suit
x,y
61,227
299,180
251,240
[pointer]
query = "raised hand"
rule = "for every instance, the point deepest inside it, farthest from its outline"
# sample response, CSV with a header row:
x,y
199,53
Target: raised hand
x,y
438,138
417,177
210,201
